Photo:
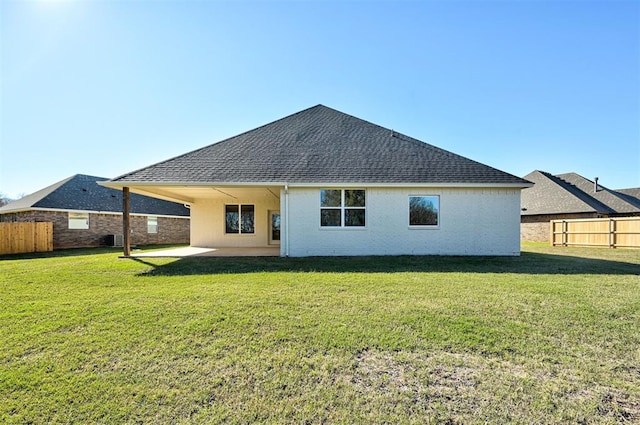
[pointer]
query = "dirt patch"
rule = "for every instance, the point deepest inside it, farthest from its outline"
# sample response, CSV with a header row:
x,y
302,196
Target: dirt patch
x,y
462,388
620,406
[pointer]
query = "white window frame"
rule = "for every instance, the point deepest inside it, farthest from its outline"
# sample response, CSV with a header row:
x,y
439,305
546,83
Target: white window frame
x,y
343,208
423,226
78,220
152,228
240,232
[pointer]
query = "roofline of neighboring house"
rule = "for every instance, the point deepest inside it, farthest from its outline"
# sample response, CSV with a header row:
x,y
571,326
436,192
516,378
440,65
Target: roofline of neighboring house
x,y
90,212
120,185
524,213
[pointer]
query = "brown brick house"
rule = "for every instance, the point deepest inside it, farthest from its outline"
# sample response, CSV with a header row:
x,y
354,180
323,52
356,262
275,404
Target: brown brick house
x,y
85,214
570,196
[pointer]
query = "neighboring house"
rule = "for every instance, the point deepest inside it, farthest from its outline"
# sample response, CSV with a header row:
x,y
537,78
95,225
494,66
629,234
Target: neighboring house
x,y
85,214
321,182
570,196
631,195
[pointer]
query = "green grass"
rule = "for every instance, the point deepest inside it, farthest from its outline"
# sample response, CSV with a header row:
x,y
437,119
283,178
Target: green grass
x,y
552,336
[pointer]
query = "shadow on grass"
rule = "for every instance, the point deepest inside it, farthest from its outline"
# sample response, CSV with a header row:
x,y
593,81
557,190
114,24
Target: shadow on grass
x,y
528,263
71,252
76,252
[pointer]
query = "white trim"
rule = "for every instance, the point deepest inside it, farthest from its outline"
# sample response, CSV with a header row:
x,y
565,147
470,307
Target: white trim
x,y
270,240
343,208
153,227
357,185
119,185
187,184
93,212
423,226
78,223
286,221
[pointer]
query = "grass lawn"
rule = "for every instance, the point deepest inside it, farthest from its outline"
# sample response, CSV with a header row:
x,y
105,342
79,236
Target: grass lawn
x,y
552,336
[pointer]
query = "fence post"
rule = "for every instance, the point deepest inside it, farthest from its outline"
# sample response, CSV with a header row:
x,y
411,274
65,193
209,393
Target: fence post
x,y
612,233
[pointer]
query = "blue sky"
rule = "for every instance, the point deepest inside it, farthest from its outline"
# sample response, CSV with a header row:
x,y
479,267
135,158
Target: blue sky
x,y
106,87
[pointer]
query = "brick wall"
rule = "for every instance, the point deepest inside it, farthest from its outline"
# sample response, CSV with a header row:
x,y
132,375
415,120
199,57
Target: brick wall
x,y
535,228
170,230
473,221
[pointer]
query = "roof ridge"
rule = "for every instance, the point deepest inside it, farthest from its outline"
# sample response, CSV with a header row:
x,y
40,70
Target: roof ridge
x,y
417,142
303,146
623,197
582,195
630,196
603,190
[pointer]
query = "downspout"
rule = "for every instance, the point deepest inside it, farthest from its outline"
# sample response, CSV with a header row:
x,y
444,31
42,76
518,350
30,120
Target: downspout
x,y
286,220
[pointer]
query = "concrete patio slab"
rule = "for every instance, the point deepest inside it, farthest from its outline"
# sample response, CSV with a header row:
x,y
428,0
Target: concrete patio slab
x,y
193,251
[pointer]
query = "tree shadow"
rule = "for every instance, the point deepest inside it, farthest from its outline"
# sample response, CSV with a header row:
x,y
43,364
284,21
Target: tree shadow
x,y
528,263
69,252
77,252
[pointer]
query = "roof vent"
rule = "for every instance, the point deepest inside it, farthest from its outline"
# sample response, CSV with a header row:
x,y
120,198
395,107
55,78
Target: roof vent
x,y
595,185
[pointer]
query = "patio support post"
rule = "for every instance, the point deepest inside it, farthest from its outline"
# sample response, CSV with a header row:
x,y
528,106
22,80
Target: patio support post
x,y
126,224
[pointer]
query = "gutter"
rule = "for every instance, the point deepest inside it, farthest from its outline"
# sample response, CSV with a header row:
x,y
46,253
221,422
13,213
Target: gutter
x,y
57,210
141,184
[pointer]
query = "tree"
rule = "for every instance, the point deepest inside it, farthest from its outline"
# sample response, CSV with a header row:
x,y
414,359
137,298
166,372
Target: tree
x,y
4,199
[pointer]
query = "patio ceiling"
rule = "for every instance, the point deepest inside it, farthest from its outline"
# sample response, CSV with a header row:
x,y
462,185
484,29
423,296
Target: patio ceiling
x,y
190,194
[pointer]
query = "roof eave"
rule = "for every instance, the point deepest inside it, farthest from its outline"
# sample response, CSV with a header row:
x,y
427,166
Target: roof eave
x,y
67,210
122,184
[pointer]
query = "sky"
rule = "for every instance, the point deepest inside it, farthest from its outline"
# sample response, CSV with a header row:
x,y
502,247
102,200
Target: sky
x,y
104,87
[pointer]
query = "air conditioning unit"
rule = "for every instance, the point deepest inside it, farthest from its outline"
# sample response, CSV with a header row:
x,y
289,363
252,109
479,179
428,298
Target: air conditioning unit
x,y
118,240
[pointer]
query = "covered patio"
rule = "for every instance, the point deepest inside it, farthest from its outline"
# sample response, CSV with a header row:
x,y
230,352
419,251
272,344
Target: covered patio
x,y
192,251
235,220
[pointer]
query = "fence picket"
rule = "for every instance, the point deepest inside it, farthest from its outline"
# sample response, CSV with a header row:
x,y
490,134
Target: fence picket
x,y
612,232
25,237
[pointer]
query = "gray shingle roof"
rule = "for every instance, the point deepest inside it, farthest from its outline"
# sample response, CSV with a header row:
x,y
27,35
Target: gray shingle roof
x,y
571,193
320,145
81,192
611,198
631,195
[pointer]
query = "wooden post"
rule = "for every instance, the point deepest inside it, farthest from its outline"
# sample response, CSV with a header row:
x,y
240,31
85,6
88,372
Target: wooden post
x,y
126,224
612,233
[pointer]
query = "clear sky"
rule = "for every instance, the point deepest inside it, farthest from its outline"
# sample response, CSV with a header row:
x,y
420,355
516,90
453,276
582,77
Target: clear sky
x,y
106,87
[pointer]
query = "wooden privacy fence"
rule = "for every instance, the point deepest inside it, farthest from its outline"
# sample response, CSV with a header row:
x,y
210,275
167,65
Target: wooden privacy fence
x,y
623,232
26,237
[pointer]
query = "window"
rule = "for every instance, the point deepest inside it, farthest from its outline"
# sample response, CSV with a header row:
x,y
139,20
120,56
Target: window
x,y
342,208
424,210
239,219
152,224
78,220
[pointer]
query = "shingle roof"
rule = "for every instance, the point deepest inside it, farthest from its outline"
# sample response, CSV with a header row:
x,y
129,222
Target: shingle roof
x,y
320,145
631,194
81,192
571,193
611,198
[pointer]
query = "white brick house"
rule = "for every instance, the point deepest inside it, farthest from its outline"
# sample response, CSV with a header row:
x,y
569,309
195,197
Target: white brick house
x,y
321,182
